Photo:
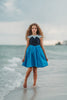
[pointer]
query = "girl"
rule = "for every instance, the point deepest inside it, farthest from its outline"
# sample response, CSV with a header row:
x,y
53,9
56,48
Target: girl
x,y
35,56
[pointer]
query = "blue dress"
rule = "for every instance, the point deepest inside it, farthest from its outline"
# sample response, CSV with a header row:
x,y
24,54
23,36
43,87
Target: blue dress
x,y
34,56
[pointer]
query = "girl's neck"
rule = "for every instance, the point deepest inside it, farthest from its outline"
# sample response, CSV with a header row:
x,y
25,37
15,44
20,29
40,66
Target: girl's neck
x,y
34,34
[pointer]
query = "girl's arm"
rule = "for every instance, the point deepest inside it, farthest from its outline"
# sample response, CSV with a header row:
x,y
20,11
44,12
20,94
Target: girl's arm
x,y
41,43
26,46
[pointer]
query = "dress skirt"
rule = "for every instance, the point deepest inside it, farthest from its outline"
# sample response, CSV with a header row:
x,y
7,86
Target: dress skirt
x,y
35,57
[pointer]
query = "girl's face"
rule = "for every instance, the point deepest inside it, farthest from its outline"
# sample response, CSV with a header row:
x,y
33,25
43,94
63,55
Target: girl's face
x,y
34,29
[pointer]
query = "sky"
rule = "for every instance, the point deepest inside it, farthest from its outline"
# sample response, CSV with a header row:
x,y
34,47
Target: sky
x,y
17,15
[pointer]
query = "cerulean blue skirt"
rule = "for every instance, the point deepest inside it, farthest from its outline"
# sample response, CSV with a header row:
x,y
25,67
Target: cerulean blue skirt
x,y
35,57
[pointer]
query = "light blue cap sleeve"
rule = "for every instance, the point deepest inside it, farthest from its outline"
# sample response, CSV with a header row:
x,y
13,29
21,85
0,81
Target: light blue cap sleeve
x,y
29,36
39,36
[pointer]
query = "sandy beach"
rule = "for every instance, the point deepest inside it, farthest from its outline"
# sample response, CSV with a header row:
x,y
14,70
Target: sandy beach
x,y
50,86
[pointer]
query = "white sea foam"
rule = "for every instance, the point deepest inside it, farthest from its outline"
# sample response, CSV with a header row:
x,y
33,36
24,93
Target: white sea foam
x,y
13,64
13,81
15,60
8,68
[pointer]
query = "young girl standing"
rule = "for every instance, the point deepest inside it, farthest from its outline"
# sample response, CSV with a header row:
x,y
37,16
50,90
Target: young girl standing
x,y
35,56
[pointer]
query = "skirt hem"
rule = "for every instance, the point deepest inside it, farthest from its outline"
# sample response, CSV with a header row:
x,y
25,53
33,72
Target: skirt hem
x,y
35,66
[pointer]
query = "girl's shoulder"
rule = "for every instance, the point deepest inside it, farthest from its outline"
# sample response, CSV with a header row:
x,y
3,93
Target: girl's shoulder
x,y
34,36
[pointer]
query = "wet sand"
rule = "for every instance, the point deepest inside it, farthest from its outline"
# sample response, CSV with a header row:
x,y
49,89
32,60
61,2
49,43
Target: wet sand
x,y
51,85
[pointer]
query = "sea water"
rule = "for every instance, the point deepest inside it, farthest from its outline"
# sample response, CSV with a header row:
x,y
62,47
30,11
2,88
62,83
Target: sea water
x,y
12,73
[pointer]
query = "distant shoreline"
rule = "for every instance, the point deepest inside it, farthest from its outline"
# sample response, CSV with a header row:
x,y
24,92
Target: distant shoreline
x,y
45,43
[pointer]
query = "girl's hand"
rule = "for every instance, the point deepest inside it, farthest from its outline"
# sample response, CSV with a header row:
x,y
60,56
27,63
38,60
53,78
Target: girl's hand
x,y
47,59
23,60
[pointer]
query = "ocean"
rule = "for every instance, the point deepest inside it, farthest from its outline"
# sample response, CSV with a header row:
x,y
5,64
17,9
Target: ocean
x,y
53,77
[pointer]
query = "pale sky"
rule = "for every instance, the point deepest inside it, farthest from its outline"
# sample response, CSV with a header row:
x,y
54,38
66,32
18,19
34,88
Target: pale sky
x,y
17,15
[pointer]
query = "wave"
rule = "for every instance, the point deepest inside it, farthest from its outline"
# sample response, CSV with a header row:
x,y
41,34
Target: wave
x,y
14,60
9,69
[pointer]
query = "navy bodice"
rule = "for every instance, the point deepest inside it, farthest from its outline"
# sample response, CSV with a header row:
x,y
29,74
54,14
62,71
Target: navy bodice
x,y
34,39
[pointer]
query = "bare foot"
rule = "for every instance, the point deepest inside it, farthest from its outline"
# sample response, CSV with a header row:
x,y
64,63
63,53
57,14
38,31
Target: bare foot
x,y
25,85
34,84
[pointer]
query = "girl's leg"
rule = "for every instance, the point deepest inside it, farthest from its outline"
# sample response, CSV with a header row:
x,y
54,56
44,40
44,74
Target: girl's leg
x,y
27,74
34,75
